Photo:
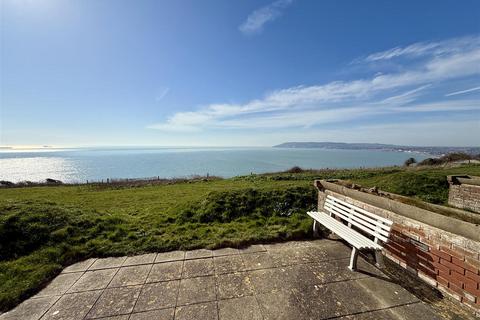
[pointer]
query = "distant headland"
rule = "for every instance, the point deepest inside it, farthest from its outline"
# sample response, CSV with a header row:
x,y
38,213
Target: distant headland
x,y
378,146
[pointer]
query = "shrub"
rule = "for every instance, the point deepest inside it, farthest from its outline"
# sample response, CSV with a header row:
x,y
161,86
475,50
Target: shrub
x,y
409,162
451,157
295,169
227,206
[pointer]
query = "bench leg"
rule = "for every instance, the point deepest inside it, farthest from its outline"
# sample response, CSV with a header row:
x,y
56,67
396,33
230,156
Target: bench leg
x,y
353,259
379,259
315,228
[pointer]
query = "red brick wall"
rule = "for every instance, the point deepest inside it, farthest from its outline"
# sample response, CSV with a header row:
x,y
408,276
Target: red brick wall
x,y
447,266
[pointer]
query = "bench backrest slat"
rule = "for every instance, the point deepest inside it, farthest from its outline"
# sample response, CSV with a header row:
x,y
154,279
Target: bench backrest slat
x,y
372,224
353,211
353,218
373,215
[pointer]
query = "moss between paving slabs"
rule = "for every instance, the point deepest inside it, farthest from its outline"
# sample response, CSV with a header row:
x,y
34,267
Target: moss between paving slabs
x,y
43,229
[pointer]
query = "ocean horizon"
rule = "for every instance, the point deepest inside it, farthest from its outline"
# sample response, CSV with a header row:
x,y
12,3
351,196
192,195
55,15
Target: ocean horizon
x,y
79,165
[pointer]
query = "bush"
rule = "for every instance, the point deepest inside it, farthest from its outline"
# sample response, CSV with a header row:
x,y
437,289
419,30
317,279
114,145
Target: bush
x,y
5,183
230,205
409,162
295,169
451,157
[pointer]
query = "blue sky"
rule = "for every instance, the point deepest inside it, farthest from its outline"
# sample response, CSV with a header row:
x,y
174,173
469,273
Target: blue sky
x,y
239,73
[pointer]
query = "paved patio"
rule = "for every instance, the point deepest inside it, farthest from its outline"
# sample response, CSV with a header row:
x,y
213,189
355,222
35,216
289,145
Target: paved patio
x,y
293,280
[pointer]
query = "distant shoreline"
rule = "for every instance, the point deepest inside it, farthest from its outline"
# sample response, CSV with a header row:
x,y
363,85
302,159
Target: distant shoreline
x,y
432,150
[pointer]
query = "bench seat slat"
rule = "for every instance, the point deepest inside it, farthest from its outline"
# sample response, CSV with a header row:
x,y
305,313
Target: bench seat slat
x,y
354,238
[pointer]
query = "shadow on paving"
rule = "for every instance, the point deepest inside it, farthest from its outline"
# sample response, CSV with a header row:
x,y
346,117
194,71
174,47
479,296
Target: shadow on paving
x,y
291,280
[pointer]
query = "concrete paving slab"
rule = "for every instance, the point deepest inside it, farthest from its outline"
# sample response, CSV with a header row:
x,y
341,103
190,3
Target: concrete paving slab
x,y
298,278
122,317
228,264
165,271
268,280
198,268
203,311
60,284
31,309
73,306
257,260
411,311
79,266
287,245
115,301
252,249
170,256
225,252
245,308
337,270
164,314
129,276
280,306
141,259
157,295
388,294
374,315
93,280
304,280
292,256
105,263
418,310
335,300
234,285
196,290
331,249
199,253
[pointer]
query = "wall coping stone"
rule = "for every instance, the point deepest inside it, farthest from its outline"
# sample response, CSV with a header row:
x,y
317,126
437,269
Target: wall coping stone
x,y
464,179
453,225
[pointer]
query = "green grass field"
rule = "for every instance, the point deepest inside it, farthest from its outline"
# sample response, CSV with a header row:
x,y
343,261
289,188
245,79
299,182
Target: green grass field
x,y
43,229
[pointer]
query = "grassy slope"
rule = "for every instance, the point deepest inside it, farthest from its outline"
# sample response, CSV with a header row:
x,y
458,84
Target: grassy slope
x,y
43,229
426,184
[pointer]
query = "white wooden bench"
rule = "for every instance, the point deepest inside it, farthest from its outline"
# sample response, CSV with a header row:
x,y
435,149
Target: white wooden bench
x,y
355,225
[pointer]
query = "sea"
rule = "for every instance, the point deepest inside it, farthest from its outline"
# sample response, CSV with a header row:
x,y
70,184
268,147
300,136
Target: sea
x,y
80,165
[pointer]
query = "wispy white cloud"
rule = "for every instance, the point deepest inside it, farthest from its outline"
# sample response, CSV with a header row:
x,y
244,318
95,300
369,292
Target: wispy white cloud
x,y
462,92
258,18
343,101
162,93
405,97
418,49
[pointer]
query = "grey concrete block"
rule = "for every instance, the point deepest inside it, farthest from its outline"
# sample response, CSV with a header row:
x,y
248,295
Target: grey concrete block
x,y
196,290
157,295
245,308
203,311
165,271
141,259
129,276
234,285
115,301
198,268
73,306
170,256
93,280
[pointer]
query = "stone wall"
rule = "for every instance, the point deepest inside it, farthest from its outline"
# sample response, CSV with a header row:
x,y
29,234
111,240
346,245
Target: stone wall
x,y
447,260
464,192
